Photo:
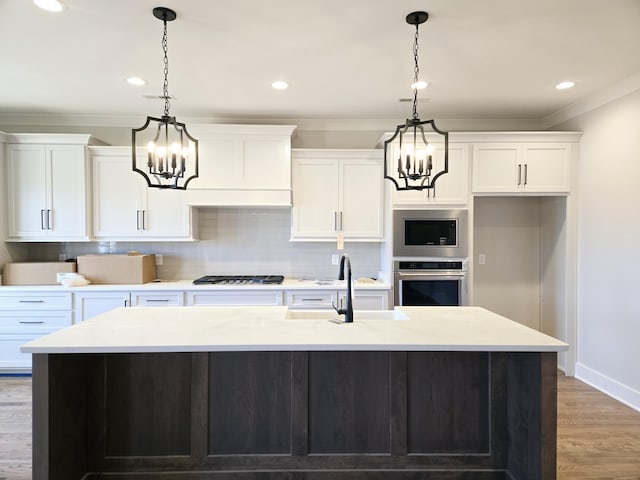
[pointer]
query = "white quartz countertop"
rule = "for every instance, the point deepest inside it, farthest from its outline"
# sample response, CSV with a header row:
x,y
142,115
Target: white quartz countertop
x,y
184,285
211,329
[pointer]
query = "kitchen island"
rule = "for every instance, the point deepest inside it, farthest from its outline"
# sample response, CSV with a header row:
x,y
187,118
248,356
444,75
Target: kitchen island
x,y
267,393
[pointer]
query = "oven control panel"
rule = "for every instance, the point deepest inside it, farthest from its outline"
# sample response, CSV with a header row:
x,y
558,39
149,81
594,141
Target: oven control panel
x,y
429,265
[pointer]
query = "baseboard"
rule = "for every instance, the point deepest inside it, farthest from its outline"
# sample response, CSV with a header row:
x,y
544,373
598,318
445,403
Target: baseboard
x,y
611,387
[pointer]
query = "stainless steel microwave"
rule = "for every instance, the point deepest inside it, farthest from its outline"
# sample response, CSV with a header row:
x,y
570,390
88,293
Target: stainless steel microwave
x,y
430,233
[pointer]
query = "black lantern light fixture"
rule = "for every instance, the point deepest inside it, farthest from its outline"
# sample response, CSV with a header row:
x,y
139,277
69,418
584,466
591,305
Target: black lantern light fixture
x,y
408,155
171,159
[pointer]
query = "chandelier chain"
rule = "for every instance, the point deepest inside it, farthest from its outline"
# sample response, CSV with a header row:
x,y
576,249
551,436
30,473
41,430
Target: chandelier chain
x,y
416,73
165,85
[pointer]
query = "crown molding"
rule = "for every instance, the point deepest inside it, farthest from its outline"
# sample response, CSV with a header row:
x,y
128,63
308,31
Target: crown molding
x,y
16,120
607,95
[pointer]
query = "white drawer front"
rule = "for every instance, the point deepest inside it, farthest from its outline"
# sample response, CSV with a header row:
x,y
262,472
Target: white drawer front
x,y
312,299
159,299
235,298
43,322
36,301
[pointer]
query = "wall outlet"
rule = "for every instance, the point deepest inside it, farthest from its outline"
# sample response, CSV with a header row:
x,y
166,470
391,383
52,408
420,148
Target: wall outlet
x,y
335,259
158,259
62,257
482,259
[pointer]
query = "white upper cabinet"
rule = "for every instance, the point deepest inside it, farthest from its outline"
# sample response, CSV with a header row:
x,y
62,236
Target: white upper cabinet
x,y
47,184
337,191
450,188
125,208
527,167
242,165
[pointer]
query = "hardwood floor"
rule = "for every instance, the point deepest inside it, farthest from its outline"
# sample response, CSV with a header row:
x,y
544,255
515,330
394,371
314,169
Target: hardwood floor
x,y
598,437
15,428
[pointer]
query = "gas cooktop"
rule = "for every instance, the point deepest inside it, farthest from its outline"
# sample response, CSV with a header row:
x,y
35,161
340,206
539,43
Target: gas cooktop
x,y
239,280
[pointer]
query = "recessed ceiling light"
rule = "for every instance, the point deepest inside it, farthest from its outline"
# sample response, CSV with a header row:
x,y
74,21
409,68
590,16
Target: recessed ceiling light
x,y
280,85
419,85
564,85
137,81
50,5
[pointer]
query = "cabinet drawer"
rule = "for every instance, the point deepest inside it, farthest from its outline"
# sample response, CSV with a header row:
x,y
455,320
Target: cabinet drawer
x,y
158,299
36,301
235,298
42,322
312,299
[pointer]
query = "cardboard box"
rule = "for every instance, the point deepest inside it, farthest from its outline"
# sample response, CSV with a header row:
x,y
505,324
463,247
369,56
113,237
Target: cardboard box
x,y
117,269
35,273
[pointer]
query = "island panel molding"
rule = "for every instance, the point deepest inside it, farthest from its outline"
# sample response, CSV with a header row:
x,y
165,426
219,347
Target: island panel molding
x,y
295,415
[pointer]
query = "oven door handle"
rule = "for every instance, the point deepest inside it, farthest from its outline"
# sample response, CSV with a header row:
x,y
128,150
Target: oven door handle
x,y
426,275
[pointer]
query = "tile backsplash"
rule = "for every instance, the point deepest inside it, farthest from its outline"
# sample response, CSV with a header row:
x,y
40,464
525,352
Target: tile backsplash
x,y
238,241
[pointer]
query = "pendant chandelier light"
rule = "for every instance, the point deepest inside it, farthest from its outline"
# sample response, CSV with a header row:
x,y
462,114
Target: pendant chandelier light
x,y
171,159
411,166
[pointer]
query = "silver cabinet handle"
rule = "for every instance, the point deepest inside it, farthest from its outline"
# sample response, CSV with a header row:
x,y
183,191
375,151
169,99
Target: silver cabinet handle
x,y
144,220
335,221
42,226
31,322
30,301
137,219
525,173
311,299
519,174
49,220
341,228
157,300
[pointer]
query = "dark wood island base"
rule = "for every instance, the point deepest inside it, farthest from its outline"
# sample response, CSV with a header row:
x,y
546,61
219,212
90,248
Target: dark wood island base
x,y
319,415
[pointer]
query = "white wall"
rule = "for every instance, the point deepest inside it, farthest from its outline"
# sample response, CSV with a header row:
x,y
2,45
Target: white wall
x,y
608,329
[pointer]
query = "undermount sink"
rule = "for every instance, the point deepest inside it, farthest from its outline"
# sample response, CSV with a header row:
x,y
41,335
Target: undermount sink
x,y
357,314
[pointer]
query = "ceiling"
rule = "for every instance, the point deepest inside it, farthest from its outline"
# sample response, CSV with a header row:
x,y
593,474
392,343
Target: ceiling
x,y
344,59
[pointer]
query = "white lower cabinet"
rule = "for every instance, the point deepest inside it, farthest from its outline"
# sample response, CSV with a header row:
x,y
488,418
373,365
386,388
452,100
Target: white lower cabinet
x,y
90,304
235,297
26,316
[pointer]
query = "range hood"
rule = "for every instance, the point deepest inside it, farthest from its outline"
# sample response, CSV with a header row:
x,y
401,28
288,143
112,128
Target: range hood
x,y
242,166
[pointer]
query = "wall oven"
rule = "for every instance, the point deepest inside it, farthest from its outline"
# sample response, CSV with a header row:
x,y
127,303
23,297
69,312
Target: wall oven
x,y
430,282
430,233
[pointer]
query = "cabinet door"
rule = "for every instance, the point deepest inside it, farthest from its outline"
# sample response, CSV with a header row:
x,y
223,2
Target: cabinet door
x,y
166,214
116,201
497,167
547,167
451,188
315,209
27,188
361,212
87,305
66,166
